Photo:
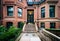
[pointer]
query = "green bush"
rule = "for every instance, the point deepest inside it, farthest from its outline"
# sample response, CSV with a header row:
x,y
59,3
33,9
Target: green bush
x,y
10,35
2,29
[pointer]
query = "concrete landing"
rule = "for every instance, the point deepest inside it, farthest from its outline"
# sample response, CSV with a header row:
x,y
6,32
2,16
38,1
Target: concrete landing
x,y
30,37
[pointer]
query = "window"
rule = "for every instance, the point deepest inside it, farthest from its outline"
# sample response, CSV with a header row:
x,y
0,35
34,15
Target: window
x,y
20,0
9,10
52,11
43,12
19,12
41,0
30,0
20,25
42,25
8,24
52,25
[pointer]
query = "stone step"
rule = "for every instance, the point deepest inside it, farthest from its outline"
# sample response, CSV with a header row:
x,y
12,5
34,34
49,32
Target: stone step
x,y
30,28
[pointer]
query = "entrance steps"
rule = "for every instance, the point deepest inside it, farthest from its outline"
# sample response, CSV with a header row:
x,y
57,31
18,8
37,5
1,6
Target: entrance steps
x,y
29,28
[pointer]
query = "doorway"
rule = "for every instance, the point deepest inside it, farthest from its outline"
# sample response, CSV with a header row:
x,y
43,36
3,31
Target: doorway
x,y
30,16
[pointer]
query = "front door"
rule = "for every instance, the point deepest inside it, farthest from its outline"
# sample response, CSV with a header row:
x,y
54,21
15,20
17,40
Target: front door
x,y
30,16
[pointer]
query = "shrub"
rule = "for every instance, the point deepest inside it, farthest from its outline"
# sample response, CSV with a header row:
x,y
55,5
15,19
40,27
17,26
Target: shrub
x,y
2,29
11,34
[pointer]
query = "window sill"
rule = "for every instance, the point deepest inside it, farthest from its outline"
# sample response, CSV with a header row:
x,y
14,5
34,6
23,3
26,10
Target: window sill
x,y
19,17
9,17
49,18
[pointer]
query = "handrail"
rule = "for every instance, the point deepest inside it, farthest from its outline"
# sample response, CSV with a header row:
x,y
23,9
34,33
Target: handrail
x,y
24,27
36,27
53,35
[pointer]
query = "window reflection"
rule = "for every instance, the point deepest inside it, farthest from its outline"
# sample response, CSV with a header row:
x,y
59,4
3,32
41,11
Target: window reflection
x,y
52,11
30,0
43,12
10,10
19,12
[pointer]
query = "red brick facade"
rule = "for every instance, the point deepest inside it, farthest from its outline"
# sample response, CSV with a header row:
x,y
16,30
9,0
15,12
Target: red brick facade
x,y
37,12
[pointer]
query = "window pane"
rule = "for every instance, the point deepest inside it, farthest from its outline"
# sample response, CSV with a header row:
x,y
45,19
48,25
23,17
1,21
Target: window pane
x,y
30,0
43,12
20,0
9,10
52,25
19,12
20,25
8,24
52,11
42,25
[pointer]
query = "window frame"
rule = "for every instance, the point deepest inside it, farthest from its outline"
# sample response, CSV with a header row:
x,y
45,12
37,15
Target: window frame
x,y
29,0
51,26
42,24
10,12
21,13
52,11
8,25
19,24
20,0
43,12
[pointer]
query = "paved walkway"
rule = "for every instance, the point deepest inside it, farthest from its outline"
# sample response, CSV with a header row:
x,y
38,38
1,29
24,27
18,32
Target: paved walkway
x,y
30,37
